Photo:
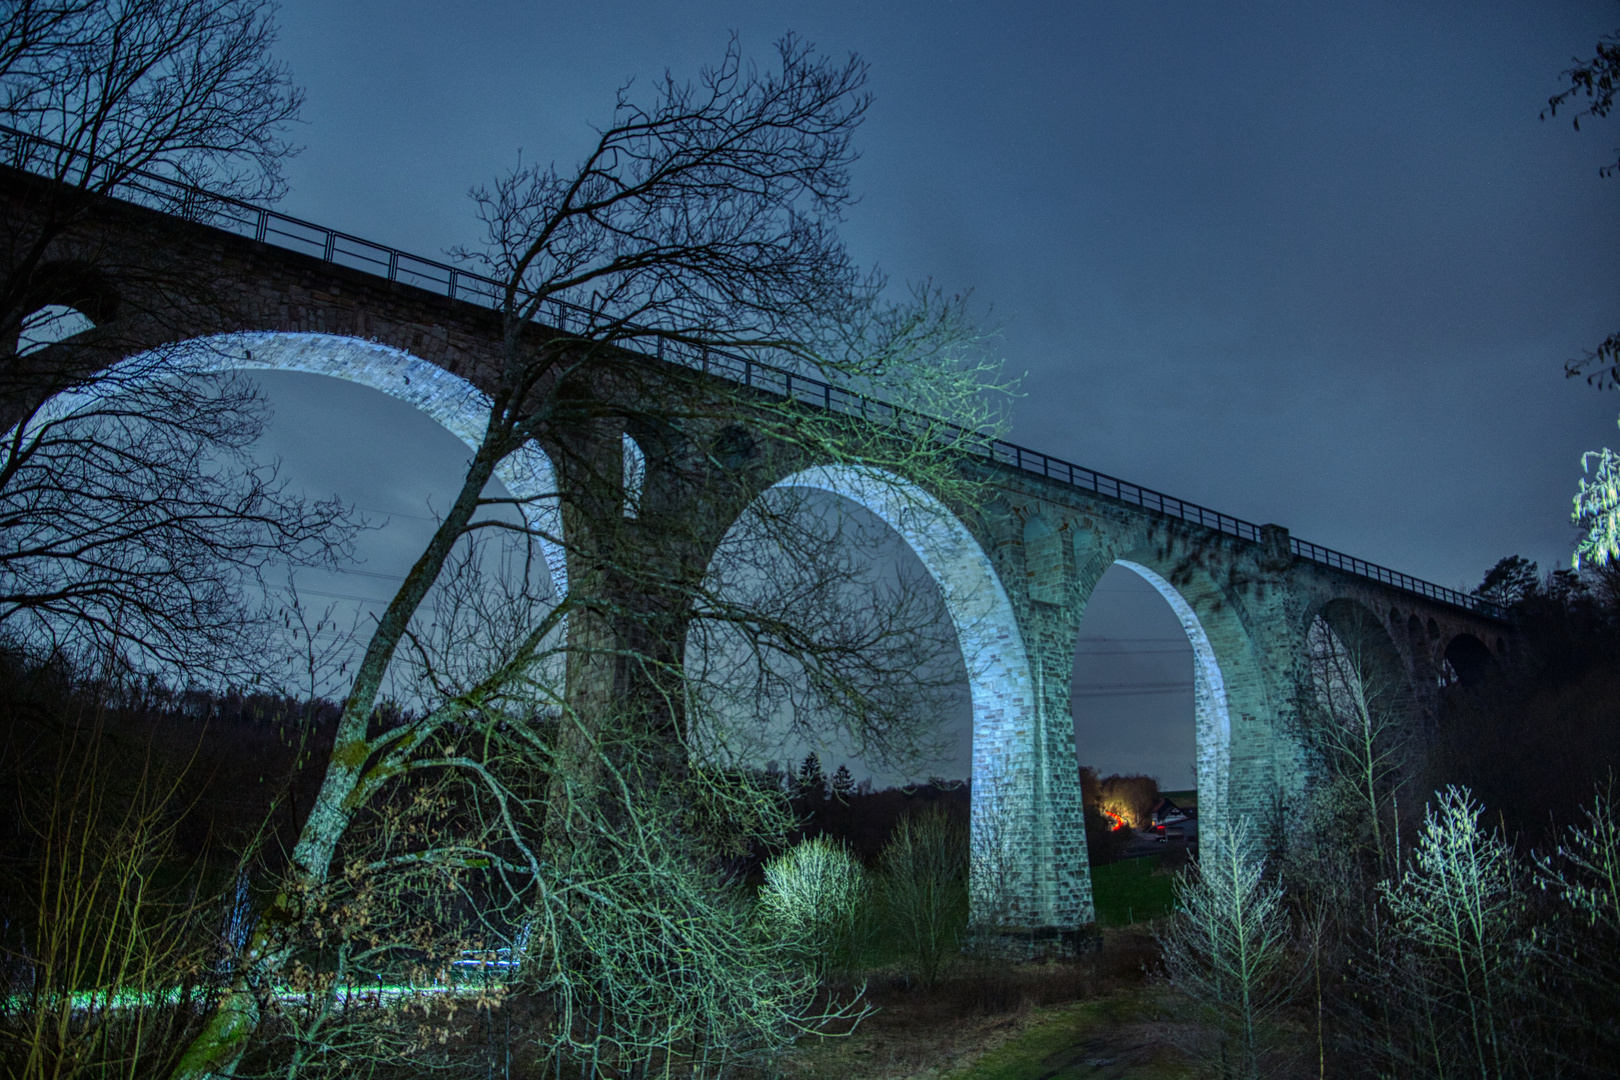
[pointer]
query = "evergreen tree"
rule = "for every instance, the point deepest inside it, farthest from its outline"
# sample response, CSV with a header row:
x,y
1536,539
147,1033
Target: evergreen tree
x,y
811,778
843,784
1509,581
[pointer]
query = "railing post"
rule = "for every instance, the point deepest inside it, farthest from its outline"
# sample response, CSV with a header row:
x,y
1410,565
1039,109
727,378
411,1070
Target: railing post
x,y
1276,552
393,266
331,245
263,228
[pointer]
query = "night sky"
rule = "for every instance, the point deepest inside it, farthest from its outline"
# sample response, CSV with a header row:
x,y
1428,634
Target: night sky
x,y
1317,265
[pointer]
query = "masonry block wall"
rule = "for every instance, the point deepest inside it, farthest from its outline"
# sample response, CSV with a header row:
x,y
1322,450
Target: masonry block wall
x,y
1016,571
1247,608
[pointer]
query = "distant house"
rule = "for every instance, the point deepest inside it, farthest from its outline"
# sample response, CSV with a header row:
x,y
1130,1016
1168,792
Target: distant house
x,y
1173,822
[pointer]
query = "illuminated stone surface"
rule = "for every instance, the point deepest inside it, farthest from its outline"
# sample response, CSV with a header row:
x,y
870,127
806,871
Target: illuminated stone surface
x,y
456,404
1048,886
1016,571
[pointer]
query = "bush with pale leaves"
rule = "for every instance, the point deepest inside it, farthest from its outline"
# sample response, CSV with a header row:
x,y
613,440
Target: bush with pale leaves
x,y
812,895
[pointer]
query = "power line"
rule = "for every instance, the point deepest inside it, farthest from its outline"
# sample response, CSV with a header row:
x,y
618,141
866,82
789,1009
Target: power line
x,y
1082,703
1119,690
1135,686
362,573
342,596
393,513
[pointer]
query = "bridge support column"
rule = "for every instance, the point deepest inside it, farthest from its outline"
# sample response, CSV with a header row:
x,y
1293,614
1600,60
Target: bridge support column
x,y
1032,879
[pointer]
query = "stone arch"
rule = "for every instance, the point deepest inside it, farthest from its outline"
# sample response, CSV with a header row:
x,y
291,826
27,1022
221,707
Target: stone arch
x,y
1470,658
456,404
64,298
1361,631
1028,833
76,284
1212,722
1357,673
1044,558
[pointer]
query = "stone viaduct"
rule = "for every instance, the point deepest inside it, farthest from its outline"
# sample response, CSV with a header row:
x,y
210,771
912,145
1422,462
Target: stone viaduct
x,y
1015,572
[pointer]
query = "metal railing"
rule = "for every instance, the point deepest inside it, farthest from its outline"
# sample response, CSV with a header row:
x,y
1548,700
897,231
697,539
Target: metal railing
x,y
295,234
1361,568
1033,461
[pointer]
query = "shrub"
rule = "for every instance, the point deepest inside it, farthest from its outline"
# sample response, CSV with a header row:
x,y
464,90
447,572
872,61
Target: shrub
x,y
924,888
812,896
1465,961
108,945
1584,874
1225,951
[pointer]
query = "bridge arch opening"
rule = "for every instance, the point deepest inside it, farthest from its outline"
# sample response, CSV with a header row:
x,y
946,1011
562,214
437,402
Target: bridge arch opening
x,y
635,475
1015,875
1468,661
1350,645
1149,693
1360,687
449,402
50,324
1360,716
68,297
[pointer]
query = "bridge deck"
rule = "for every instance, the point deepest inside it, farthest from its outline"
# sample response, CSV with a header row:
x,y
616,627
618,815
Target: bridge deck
x,y
269,226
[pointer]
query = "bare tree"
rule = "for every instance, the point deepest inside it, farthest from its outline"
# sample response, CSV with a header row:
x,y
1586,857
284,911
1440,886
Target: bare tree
x,y
925,888
797,631
699,230
1345,836
132,515
108,944
1357,725
994,864
135,522
97,95
167,103
1590,95
813,895
1584,944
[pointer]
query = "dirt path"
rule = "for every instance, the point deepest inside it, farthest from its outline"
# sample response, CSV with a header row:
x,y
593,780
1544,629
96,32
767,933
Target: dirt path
x,y
1096,1018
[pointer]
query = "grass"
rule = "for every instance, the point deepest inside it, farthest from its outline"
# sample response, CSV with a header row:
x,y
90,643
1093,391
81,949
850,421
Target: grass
x,y
981,1007
1118,1036
1130,891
